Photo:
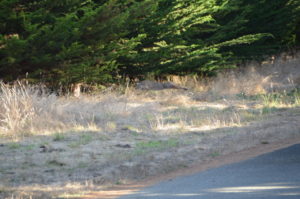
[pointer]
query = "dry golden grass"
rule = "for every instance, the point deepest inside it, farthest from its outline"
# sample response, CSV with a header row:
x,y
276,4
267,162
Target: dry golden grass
x,y
30,110
125,133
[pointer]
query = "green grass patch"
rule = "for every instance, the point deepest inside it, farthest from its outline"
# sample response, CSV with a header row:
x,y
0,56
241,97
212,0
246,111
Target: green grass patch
x,y
155,145
58,137
268,110
74,145
273,99
215,154
14,145
29,147
276,99
83,140
82,165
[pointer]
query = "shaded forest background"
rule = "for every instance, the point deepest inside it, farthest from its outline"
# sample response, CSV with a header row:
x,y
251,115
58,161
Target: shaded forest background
x,y
61,42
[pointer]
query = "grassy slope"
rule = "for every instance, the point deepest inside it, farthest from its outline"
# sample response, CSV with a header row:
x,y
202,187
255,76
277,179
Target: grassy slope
x,y
57,144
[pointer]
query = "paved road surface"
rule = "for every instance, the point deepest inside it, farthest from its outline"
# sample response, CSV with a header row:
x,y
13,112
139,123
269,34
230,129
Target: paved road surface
x,y
274,175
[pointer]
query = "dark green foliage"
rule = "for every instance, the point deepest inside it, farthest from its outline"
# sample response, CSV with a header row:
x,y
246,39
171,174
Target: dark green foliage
x,y
60,42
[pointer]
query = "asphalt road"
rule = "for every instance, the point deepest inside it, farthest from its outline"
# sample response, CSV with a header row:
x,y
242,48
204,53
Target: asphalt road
x,y
274,175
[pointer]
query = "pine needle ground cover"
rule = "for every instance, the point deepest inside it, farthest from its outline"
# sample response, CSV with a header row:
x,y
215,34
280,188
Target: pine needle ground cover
x,y
58,146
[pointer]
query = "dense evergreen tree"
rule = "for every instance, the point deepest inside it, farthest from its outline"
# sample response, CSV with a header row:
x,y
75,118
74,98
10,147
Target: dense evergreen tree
x,y
101,41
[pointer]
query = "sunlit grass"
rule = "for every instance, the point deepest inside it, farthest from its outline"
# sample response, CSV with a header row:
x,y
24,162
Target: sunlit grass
x,y
283,99
27,111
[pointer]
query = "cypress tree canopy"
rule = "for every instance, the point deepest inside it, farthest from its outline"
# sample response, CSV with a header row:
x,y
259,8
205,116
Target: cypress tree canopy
x,y
101,41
